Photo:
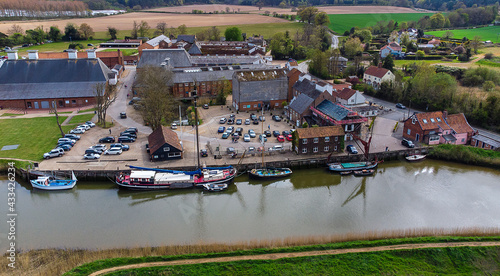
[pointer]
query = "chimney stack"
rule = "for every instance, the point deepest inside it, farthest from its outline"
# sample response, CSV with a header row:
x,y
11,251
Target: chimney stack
x,y
33,54
380,64
12,55
445,114
91,53
72,54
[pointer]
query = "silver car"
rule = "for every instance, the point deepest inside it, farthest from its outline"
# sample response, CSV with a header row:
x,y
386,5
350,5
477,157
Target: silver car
x,y
114,151
246,137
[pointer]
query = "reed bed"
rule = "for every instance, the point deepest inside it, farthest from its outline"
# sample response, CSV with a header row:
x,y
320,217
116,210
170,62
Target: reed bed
x,y
58,261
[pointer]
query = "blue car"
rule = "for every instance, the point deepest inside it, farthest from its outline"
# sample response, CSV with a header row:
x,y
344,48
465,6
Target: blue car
x,y
225,135
221,129
351,149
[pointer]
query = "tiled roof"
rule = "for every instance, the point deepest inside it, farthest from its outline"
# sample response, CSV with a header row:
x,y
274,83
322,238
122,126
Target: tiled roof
x,y
260,75
493,141
459,123
154,57
376,71
294,72
293,63
307,87
162,136
314,132
341,86
186,38
432,120
301,103
332,110
63,55
346,93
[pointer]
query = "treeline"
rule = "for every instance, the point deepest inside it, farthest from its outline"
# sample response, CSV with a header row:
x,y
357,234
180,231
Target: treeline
x,y
40,8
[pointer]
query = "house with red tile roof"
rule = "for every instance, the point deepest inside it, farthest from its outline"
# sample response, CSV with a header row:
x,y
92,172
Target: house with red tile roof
x,y
392,48
461,129
374,76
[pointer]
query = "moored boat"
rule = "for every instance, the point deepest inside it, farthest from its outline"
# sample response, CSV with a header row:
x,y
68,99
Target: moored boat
x,y
352,166
364,172
211,187
415,157
345,172
50,183
268,173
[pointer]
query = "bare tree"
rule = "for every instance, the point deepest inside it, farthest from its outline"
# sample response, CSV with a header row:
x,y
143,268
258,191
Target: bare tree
x,y
135,30
86,31
15,29
104,96
54,108
161,28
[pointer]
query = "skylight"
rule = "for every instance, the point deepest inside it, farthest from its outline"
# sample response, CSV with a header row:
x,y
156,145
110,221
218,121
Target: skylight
x,y
432,120
425,121
438,119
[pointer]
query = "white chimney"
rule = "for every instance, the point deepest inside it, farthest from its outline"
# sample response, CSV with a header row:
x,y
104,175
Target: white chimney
x,y
91,53
33,54
12,54
72,54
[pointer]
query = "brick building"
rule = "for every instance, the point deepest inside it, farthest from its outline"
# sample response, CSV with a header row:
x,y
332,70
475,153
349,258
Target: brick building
x,y
315,140
109,58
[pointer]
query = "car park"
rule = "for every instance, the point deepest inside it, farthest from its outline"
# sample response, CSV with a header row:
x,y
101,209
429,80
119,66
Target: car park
x,y
205,106
72,136
352,149
400,105
91,156
225,135
246,137
251,132
107,139
77,131
53,153
126,139
222,120
247,121
120,145
123,115
113,151
276,133
281,138
267,133
221,129
262,137
407,143
239,121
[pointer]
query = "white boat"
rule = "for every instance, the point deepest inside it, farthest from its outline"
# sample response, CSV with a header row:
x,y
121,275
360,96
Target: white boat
x,y
50,183
215,187
415,157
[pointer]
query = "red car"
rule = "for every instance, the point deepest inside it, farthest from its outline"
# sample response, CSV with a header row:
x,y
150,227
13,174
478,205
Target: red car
x,y
289,137
281,138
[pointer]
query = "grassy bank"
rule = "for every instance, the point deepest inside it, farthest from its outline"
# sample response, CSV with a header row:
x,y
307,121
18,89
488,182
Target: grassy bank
x,y
467,155
344,22
486,33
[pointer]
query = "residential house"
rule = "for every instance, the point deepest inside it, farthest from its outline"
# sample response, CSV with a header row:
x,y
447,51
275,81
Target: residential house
x,y
255,89
429,128
366,110
164,144
350,97
392,48
374,76
31,84
315,140
159,42
485,141
337,65
291,64
461,129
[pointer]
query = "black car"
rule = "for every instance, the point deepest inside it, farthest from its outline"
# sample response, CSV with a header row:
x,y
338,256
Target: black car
x,y
285,133
126,139
119,145
131,129
72,136
239,122
407,143
129,134
239,130
253,116
203,153
123,115
276,133
267,133
277,118
107,139
65,147
230,121
400,105
92,151
255,122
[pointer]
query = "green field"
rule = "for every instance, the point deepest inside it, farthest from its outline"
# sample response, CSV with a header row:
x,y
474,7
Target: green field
x,y
340,23
126,52
35,136
486,33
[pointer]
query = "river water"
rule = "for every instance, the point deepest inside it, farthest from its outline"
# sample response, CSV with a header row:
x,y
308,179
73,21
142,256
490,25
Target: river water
x,y
430,194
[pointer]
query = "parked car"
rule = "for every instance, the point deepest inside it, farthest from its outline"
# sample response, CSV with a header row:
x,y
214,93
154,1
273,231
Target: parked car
x,y
91,156
230,121
66,143
277,148
123,115
262,118
281,138
120,145
225,135
262,137
288,137
236,136
239,130
239,122
99,147
114,151
407,143
247,121
65,147
126,139
129,134
255,122
277,118
61,140
222,120
246,137
251,132
72,136
107,139
77,131
276,133
230,150
231,116
92,151
131,129
173,126
253,117
53,153
352,149
267,133
230,129
285,133
90,124
251,149
84,126
90,44
399,105
203,153
205,106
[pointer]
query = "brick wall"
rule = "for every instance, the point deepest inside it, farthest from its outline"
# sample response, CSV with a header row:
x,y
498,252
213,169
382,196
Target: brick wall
x,y
311,146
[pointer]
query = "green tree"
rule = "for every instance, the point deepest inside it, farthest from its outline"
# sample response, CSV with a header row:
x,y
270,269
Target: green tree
x,y
161,28
420,54
475,43
71,32
321,19
352,47
112,31
182,29
437,21
388,63
143,30
213,34
54,33
364,35
307,13
448,35
85,31
488,86
233,34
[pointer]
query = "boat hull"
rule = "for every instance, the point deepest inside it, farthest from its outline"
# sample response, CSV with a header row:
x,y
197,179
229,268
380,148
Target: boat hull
x,y
215,187
415,158
353,166
364,172
55,186
269,173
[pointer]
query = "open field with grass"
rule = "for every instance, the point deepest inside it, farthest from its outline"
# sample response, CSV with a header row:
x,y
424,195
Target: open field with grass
x,y
80,119
35,136
486,33
340,23
126,52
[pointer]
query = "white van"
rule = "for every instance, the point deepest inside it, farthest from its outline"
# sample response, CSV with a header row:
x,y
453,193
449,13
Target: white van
x,y
277,148
174,126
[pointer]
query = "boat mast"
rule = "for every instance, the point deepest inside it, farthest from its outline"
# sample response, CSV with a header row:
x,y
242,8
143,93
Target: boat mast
x,y
196,125
263,139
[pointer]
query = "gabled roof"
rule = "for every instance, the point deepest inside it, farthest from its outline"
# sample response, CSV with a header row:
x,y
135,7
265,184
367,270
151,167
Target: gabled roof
x,y
155,41
307,87
186,38
376,71
179,58
490,139
161,136
318,132
432,120
459,123
293,63
294,72
301,103
346,93
195,49
393,46
334,111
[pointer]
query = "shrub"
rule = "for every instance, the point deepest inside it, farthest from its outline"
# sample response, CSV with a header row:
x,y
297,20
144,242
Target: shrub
x,y
489,56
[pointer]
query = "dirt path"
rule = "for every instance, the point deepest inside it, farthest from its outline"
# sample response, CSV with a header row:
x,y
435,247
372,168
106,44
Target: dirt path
x,y
276,256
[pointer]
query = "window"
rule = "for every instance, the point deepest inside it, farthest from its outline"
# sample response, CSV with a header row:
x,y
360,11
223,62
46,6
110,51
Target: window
x,y
408,131
335,149
67,101
315,149
327,139
432,120
417,137
254,106
327,148
304,141
166,149
424,120
304,150
28,104
438,119
316,140
73,101
276,104
86,101
463,140
336,138
174,154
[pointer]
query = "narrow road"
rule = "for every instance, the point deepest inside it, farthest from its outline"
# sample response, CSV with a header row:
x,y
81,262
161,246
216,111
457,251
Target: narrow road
x,y
276,256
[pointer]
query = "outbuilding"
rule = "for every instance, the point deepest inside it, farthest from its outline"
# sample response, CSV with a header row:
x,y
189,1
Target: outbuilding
x,y
164,144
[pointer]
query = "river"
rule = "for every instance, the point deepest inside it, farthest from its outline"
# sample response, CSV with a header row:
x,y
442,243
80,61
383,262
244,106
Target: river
x,y
430,194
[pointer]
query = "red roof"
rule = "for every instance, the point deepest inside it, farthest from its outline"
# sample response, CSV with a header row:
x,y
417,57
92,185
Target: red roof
x,y
432,120
162,136
459,123
376,71
317,132
294,72
346,93
293,63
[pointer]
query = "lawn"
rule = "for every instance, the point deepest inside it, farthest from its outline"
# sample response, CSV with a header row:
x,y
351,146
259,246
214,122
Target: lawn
x,y
87,110
80,119
486,33
494,62
340,23
34,136
126,52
